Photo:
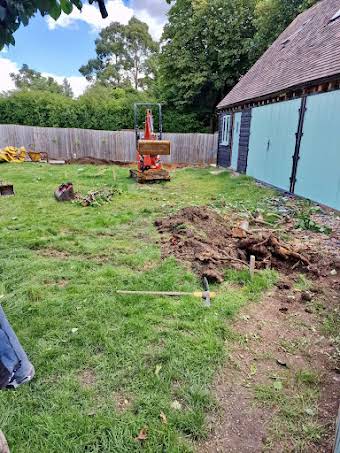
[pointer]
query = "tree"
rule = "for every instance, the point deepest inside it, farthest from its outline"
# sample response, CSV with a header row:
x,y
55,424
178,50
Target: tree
x,y
67,89
31,80
124,54
111,59
14,13
140,49
205,50
272,17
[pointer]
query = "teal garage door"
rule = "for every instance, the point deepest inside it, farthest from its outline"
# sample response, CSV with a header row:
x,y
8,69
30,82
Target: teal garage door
x,y
272,142
236,140
318,171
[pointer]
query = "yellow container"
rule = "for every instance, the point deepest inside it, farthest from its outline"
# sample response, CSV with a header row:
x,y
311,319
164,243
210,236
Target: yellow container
x,y
35,156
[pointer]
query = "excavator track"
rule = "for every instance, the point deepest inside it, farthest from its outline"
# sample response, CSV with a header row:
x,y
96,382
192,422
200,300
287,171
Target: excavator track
x,y
150,176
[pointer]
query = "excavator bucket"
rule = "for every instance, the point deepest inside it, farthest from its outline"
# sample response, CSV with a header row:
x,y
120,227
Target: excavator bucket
x,y
154,148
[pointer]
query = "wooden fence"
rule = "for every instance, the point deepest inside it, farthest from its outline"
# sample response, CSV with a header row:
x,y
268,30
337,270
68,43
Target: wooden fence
x,y
117,146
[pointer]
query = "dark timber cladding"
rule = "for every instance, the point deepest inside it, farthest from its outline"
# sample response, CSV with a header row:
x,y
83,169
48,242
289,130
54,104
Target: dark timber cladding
x,y
244,141
224,151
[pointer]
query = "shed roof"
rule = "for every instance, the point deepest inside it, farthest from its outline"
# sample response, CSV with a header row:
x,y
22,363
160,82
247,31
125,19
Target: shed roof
x,y
308,50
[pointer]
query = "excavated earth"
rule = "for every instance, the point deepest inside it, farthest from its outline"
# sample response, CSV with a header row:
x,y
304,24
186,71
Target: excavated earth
x,y
285,332
210,243
287,317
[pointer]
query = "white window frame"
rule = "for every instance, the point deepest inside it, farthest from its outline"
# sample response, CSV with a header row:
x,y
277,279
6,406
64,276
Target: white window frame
x,y
336,16
226,128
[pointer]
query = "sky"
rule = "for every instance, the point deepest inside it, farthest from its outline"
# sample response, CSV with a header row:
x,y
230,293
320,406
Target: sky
x,y
59,48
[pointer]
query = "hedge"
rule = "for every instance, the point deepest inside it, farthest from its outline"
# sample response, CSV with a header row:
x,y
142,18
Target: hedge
x,y
113,112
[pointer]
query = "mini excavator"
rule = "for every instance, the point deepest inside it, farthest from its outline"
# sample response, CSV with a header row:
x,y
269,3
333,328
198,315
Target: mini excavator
x,y
150,147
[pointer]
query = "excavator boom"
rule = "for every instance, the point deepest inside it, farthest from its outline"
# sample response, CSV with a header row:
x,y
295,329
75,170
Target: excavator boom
x,y
149,149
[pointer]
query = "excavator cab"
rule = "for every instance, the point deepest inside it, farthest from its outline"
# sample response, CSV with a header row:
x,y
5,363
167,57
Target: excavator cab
x,y
150,146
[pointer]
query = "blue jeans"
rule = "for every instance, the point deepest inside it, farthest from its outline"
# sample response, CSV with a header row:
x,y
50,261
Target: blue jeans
x,y
12,356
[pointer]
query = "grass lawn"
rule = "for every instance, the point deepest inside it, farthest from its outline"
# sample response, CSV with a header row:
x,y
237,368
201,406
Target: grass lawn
x,y
108,366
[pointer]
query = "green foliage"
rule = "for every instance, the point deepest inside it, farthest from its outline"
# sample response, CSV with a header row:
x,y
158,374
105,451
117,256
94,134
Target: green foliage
x,y
272,17
307,377
123,55
29,79
206,50
177,121
305,222
99,108
14,13
67,89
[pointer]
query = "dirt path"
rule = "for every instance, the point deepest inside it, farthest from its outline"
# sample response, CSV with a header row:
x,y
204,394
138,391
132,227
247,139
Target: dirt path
x,y
280,391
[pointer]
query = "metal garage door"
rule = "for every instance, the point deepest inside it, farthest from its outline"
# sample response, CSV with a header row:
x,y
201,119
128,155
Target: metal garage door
x,y
272,142
236,140
318,172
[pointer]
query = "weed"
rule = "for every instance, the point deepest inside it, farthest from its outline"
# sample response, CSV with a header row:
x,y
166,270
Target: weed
x,y
304,221
307,377
303,283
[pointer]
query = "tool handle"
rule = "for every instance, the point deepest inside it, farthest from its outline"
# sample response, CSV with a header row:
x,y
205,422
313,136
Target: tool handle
x,y
155,293
198,294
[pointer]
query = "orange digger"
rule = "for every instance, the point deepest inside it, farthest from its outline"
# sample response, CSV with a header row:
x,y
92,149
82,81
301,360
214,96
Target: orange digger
x,y
150,147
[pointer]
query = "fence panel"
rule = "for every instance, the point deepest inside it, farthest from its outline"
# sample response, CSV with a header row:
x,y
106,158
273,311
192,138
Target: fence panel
x,y
116,146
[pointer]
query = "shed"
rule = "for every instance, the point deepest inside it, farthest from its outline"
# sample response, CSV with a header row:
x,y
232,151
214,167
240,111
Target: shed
x,y
281,123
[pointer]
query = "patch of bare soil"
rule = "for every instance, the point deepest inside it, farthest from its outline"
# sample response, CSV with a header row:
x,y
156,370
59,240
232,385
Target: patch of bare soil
x,y
95,161
123,402
283,336
53,253
63,283
87,378
210,243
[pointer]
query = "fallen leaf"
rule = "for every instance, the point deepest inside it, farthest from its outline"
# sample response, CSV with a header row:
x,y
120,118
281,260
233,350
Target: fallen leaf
x,y
143,435
163,417
176,405
158,369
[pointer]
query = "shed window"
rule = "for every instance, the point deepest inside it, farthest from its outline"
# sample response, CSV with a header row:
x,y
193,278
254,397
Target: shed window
x,y
226,124
336,16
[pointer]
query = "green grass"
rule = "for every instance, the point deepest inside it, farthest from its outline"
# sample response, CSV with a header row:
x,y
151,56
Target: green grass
x,y
294,400
60,265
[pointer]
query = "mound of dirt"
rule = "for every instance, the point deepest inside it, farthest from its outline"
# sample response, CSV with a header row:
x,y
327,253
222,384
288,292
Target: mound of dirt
x,y
95,161
211,243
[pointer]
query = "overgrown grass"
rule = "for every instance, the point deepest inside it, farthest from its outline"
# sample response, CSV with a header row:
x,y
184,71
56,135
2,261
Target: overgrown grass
x,y
60,265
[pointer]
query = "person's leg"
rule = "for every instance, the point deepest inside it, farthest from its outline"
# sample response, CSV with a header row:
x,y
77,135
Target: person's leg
x,y
12,355
3,443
